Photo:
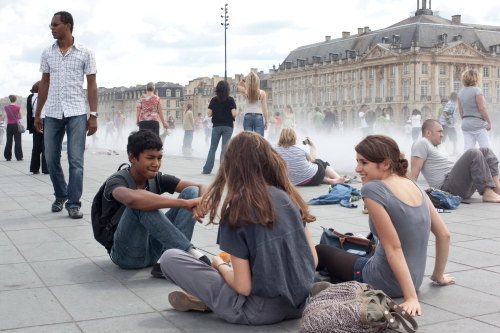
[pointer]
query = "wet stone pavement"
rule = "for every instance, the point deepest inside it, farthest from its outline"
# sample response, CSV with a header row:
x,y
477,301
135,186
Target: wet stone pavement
x,y
54,277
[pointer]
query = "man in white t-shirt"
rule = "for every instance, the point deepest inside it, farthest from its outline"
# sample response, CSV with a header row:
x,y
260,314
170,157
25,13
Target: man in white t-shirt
x,y
476,169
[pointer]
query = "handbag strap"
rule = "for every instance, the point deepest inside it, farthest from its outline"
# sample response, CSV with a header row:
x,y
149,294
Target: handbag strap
x,y
402,317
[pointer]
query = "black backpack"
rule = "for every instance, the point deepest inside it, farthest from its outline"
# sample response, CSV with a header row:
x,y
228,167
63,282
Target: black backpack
x,y
106,214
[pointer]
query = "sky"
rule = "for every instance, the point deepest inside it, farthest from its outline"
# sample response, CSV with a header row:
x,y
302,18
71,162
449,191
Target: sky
x,y
177,41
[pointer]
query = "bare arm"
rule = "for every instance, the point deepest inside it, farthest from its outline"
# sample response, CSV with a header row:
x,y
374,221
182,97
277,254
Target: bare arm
x,y
145,200
263,97
312,247
416,166
438,228
160,114
43,91
311,157
481,105
241,87
209,112
184,183
394,253
234,113
92,98
460,110
238,277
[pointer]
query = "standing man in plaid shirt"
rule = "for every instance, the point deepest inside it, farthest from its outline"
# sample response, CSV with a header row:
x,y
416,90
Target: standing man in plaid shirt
x,y
64,65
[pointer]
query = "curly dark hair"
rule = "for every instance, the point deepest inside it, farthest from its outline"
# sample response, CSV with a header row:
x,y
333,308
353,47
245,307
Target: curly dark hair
x,y
141,140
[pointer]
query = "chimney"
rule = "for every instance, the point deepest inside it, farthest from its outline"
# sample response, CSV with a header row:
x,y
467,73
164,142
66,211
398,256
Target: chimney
x,y
367,29
360,31
345,34
328,38
456,19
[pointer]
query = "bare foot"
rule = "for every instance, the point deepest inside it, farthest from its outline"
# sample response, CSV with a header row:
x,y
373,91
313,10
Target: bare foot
x,y
332,181
491,196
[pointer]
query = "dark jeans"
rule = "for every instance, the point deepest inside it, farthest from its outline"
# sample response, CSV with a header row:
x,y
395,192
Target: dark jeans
x,y
187,142
13,134
37,154
218,132
341,265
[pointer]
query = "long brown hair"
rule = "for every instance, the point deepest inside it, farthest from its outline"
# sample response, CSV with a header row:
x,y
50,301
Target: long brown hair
x,y
249,166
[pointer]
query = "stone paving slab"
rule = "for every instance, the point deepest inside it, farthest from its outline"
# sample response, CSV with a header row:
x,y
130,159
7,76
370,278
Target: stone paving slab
x,y
55,278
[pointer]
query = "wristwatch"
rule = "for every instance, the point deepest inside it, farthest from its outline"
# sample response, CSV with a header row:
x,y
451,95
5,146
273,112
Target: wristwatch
x,y
93,113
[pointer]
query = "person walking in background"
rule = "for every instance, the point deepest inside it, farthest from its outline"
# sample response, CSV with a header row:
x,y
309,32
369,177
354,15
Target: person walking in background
x,y
472,109
60,94
222,109
318,118
188,123
149,111
384,120
2,127
416,124
447,120
13,113
288,117
119,123
171,122
439,110
256,114
38,150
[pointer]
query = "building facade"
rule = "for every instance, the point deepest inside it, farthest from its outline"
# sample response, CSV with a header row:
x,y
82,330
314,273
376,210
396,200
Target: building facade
x,y
411,64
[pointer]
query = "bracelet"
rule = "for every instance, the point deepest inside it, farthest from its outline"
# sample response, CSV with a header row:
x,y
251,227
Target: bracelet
x,y
224,263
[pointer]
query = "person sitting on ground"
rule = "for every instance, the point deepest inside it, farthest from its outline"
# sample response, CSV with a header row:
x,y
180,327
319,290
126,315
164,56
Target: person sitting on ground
x,y
304,169
401,216
144,232
476,169
263,228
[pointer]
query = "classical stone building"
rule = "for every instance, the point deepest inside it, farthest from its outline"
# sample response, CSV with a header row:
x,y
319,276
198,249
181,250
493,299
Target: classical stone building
x,y
410,64
125,100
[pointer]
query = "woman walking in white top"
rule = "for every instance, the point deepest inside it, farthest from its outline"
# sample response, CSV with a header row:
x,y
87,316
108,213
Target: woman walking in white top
x,y
256,116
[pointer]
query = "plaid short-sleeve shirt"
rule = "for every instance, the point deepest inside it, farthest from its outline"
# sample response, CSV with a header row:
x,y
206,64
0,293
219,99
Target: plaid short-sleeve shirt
x,y
66,96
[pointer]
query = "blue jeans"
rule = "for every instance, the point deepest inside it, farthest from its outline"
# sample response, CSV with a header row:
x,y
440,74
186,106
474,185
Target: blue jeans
x,y
217,132
254,122
75,129
143,235
187,143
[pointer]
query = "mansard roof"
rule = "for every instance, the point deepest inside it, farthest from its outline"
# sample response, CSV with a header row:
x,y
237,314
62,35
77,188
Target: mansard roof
x,y
425,31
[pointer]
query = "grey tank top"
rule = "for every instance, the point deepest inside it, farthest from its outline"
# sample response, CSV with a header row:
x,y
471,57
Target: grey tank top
x,y
413,225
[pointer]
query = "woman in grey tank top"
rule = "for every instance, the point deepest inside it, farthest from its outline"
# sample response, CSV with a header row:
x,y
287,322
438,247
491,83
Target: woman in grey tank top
x,y
401,216
472,109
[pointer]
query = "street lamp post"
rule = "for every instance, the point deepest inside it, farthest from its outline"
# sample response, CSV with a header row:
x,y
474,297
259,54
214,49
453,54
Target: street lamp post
x,y
225,24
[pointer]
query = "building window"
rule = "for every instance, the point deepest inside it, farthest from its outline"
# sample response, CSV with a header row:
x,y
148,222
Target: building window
x,y
442,69
178,93
381,88
498,92
392,89
457,85
337,77
371,73
442,89
406,68
336,94
346,94
392,71
353,93
354,75
370,90
498,72
361,91
486,71
425,69
168,92
361,74
423,88
486,91
406,88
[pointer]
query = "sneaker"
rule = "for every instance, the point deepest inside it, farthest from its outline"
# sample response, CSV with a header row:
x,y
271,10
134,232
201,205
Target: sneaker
x,y
182,301
74,213
205,260
58,205
156,271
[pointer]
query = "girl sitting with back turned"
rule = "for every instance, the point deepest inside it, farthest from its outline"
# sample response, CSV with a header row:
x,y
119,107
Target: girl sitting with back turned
x,y
401,216
262,227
